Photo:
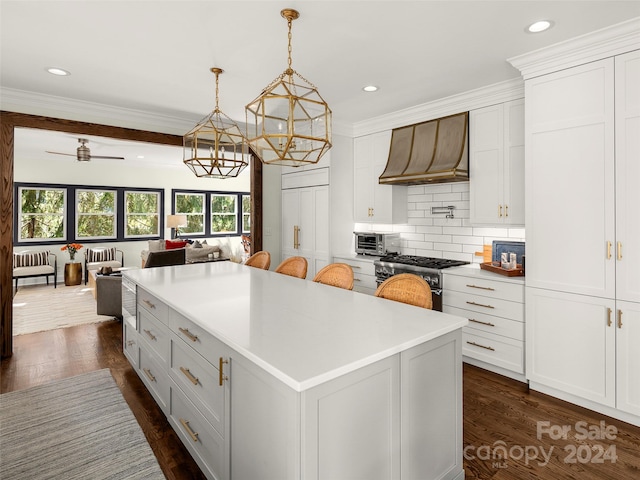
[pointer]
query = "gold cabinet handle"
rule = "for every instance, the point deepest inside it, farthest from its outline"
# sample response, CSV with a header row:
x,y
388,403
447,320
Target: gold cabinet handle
x,y
481,288
149,304
222,377
149,334
608,250
499,210
480,305
189,375
481,346
488,324
296,236
608,317
188,334
619,318
619,250
192,434
506,210
149,374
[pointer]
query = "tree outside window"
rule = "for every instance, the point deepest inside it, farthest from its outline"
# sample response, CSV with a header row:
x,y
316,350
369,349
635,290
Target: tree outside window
x,y
95,212
142,213
191,205
246,213
224,214
42,214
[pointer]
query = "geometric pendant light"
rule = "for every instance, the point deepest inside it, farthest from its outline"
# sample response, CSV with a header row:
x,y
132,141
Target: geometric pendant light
x,y
289,123
215,147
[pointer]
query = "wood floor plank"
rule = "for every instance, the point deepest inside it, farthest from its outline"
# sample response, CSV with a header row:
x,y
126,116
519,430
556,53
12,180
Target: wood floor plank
x,y
497,411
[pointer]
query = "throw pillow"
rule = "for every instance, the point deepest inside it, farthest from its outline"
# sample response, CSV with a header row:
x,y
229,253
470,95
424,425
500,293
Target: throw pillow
x,y
101,255
34,259
196,244
156,245
171,245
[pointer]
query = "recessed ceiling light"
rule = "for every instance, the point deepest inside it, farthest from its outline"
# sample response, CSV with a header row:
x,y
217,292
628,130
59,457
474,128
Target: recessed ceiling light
x,y
140,156
539,26
370,88
58,71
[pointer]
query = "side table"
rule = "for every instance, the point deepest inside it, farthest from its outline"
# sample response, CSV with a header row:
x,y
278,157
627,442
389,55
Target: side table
x,y
72,273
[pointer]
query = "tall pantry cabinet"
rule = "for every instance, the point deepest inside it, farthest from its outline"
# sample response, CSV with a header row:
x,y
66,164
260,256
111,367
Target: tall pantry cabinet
x,y
583,234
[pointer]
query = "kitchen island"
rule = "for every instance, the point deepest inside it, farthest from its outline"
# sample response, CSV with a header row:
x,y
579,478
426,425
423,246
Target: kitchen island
x,y
268,376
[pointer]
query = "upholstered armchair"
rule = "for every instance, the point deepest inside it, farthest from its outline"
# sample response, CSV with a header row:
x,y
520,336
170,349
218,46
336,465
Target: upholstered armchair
x,y
97,257
28,264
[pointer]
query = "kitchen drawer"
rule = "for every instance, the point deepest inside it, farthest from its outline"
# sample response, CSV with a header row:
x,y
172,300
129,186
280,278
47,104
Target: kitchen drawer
x,y
205,444
364,274
154,377
487,288
489,323
154,305
197,338
154,333
481,304
199,380
496,350
130,343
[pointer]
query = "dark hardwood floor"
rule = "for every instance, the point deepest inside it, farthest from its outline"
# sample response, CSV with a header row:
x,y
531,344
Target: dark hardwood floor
x,y
498,412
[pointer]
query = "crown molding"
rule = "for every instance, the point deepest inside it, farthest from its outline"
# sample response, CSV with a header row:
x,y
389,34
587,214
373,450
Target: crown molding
x,y
478,98
607,42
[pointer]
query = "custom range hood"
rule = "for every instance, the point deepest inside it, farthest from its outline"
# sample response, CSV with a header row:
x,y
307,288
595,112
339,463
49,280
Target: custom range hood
x,y
429,152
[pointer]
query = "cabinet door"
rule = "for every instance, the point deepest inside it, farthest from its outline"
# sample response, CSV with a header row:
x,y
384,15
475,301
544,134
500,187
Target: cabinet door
x,y
570,180
290,220
486,127
362,178
628,356
628,177
383,201
571,344
513,183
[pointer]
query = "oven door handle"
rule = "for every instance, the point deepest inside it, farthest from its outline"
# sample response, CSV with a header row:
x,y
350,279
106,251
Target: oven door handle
x,y
437,291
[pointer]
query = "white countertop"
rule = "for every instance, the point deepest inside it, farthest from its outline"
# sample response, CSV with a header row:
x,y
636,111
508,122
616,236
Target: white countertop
x,y
474,270
303,333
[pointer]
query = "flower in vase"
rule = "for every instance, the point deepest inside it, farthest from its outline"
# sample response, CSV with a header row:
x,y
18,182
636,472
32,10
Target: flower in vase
x,y
72,248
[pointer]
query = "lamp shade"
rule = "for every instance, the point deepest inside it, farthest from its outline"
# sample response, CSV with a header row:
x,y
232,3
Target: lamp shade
x,y
175,221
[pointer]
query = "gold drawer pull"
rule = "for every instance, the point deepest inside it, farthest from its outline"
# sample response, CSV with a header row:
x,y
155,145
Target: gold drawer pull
x,y
619,318
130,343
189,375
190,336
481,346
608,250
192,434
222,377
480,305
619,250
506,210
357,280
488,324
151,305
151,335
608,317
481,288
149,374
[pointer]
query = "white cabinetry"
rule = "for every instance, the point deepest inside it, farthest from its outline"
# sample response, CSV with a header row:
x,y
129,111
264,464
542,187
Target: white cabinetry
x,y
496,154
494,305
364,272
583,268
375,203
305,217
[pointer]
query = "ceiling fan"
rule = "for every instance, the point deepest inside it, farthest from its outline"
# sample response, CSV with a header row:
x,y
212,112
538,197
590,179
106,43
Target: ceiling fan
x,y
83,154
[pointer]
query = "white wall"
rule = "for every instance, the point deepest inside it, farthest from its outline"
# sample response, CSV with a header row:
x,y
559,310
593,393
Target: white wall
x,y
65,170
430,235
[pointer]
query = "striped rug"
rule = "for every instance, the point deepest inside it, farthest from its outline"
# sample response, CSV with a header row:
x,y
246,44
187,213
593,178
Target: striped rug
x,y
76,428
37,308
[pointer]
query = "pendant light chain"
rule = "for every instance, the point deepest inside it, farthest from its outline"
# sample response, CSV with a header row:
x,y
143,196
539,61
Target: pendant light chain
x,y
289,48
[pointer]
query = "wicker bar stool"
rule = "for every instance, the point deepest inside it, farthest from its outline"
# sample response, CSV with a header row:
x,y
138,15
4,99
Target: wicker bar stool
x,y
406,288
261,259
337,275
294,267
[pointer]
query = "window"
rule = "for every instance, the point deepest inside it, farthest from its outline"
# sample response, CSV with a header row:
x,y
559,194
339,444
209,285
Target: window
x,y
50,213
224,214
213,213
246,213
95,214
142,214
41,215
191,205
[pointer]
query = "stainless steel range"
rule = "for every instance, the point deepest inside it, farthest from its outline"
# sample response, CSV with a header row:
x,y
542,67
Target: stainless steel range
x,y
428,268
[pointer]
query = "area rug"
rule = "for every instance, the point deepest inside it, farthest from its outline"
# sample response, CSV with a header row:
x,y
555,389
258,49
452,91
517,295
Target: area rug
x,y
77,428
37,308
